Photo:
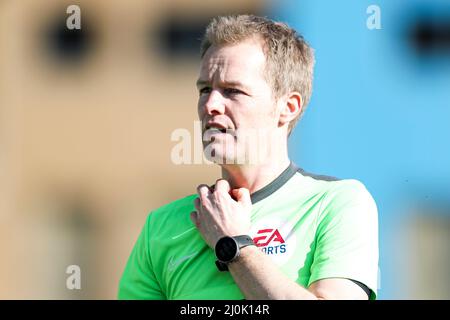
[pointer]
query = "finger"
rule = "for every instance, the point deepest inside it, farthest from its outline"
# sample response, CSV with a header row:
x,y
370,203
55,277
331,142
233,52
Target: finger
x,y
242,195
203,191
234,194
222,186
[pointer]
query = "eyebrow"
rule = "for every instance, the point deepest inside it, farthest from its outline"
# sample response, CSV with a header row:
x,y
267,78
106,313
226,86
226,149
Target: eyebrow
x,y
201,82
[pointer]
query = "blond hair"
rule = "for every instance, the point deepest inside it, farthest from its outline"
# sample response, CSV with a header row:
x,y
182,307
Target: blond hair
x,y
289,59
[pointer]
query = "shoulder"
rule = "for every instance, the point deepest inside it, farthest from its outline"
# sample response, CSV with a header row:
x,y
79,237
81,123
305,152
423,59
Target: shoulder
x,y
334,191
339,197
175,212
176,206
349,191
348,201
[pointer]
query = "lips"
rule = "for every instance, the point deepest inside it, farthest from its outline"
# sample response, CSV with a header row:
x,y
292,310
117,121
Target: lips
x,y
216,126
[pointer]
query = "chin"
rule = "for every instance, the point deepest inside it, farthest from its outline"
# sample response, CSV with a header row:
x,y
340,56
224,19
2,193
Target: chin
x,y
216,154
219,158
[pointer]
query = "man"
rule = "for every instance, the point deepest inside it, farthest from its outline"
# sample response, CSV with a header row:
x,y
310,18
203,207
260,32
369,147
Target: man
x,y
266,230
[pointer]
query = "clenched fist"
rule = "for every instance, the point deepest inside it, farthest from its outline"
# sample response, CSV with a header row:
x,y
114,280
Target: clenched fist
x,y
221,212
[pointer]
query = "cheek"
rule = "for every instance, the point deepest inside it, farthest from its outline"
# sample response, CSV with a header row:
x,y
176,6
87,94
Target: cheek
x,y
273,112
266,114
250,117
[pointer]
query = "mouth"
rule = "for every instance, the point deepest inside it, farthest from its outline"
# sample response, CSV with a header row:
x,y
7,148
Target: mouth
x,y
216,127
212,129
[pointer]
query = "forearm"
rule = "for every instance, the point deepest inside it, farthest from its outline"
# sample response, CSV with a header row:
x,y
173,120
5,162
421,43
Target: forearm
x,y
259,278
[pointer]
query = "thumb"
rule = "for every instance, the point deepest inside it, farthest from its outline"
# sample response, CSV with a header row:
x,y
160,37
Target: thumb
x,y
242,196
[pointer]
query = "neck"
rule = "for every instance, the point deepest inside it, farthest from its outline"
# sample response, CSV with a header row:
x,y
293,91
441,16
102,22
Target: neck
x,y
254,177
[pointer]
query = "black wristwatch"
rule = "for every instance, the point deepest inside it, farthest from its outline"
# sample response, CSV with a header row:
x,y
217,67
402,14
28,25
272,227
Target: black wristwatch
x,y
228,249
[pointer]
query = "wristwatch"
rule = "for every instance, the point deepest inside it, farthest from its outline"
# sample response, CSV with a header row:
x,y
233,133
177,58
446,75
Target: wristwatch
x,y
227,249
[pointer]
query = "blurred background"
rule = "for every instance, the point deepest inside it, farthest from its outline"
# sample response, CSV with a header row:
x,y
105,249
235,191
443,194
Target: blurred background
x,y
86,118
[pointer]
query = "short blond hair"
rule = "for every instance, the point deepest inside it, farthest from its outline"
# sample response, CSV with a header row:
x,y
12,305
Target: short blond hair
x,y
289,59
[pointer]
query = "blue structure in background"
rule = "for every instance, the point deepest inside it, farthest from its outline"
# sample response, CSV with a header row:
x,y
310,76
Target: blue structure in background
x,y
380,110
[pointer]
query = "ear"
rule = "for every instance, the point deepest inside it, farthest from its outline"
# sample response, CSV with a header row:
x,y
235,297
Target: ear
x,y
292,106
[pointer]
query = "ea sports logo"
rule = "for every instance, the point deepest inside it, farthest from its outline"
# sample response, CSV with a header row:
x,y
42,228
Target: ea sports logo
x,y
270,241
274,237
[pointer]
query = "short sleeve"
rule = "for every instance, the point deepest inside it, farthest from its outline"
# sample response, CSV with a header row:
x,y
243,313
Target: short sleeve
x,y
347,236
138,280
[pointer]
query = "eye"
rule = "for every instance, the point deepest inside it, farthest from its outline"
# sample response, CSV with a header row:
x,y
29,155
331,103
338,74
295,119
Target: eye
x,y
204,90
231,91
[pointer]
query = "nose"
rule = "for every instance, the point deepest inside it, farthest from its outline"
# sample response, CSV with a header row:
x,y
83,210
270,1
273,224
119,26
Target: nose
x,y
214,103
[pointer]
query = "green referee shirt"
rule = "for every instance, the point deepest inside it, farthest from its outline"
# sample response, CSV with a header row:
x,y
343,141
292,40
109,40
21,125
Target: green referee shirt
x,y
313,227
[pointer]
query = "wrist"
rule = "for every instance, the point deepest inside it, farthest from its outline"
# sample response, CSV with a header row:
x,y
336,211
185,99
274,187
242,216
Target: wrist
x,y
245,253
228,249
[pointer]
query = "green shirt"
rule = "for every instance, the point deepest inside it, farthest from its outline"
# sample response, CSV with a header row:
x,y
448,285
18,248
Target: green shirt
x,y
313,227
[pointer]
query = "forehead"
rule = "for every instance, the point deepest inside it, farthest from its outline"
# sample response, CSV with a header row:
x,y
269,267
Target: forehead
x,y
241,61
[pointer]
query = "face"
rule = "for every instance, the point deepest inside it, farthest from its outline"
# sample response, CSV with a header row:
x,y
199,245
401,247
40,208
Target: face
x,y
235,102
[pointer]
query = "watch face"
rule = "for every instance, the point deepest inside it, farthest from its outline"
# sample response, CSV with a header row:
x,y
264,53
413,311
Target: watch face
x,y
226,249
